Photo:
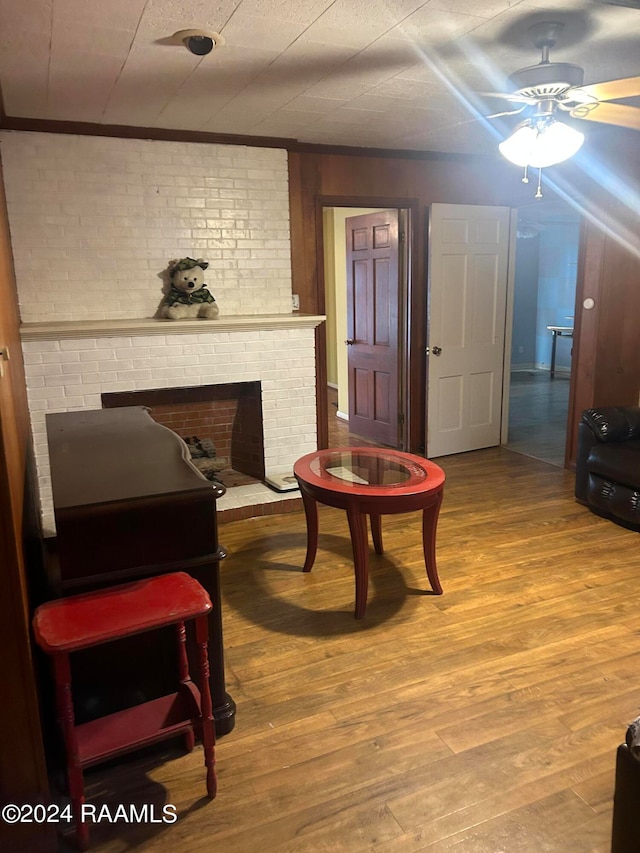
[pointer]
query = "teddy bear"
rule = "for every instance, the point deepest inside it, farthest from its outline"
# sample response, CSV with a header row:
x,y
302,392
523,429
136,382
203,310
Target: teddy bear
x,y
188,296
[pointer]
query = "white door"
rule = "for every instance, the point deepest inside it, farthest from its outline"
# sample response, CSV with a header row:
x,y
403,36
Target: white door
x,y
468,272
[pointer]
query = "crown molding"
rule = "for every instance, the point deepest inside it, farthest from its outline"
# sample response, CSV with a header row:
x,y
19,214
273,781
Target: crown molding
x,y
122,131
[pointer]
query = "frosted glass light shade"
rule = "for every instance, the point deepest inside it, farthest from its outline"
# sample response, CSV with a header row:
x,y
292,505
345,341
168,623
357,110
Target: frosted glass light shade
x,y
556,143
543,146
518,147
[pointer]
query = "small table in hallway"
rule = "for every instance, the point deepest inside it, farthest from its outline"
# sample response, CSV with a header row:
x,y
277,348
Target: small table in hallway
x,y
557,332
370,481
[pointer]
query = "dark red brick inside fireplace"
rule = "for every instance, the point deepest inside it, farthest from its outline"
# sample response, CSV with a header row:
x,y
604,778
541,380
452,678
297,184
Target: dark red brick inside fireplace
x,y
229,414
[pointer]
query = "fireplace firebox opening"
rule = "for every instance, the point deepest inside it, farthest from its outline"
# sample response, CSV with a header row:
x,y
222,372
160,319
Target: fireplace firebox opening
x,y
221,425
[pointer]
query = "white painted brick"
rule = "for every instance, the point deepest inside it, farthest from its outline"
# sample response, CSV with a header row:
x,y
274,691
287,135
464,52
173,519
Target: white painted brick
x,y
84,344
92,401
92,391
169,373
43,369
40,392
160,351
50,404
42,346
102,376
132,353
128,232
84,236
78,402
135,376
179,361
112,344
71,367
62,381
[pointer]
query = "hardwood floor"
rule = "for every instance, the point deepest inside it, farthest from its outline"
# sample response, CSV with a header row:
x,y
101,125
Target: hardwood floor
x,y
538,409
484,720
537,417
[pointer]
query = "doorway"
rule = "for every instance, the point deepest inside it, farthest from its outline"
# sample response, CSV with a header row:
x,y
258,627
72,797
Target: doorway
x,y
547,243
345,425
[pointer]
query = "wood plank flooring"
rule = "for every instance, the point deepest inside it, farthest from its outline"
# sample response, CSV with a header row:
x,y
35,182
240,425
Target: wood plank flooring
x,y
484,720
538,409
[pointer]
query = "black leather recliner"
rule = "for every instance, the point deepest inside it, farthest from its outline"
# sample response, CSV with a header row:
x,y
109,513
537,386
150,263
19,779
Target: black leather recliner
x,y
608,463
625,836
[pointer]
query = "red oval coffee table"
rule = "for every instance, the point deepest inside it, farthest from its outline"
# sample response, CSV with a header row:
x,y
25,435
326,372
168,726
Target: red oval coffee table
x,y
370,481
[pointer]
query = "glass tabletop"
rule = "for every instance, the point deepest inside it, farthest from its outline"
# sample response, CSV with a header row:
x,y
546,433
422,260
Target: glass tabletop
x,y
368,469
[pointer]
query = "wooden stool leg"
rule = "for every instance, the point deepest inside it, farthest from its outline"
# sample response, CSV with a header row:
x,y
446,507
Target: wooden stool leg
x,y
206,710
183,675
66,718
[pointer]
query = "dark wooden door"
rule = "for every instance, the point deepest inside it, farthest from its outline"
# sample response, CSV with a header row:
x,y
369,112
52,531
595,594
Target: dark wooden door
x,y
372,325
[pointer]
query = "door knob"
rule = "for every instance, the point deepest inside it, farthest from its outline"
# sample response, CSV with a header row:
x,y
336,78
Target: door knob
x,y
436,350
349,341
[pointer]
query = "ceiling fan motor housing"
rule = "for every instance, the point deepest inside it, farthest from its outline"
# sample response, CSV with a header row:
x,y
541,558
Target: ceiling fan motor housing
x,y
547,79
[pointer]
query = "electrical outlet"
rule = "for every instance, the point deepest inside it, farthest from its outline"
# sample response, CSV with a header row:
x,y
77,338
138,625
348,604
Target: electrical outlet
x,y
295,302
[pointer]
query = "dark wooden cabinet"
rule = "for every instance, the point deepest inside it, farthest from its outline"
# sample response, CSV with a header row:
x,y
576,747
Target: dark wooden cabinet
x,y
129,504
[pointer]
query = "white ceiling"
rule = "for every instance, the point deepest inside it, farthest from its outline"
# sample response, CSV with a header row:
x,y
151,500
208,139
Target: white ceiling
x,y
374,73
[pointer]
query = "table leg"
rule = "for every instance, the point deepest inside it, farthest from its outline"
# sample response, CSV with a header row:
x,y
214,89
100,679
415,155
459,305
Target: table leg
x,y
429,524
66,718
376,533
554,339
358,529
311,515
206,710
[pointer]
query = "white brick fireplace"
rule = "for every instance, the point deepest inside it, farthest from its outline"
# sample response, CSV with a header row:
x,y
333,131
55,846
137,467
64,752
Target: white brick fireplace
x,y
68,367
94,222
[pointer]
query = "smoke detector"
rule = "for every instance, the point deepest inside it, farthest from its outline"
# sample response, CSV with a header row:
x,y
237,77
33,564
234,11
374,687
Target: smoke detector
x,y
199,42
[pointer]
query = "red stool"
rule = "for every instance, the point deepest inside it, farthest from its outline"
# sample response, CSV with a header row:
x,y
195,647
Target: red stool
x,y
70,624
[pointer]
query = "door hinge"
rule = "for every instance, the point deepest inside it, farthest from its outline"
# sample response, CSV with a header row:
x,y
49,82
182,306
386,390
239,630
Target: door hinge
x,y
401,418
401,236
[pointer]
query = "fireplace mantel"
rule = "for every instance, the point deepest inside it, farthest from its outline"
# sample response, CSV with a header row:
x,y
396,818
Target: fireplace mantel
x,y
76,329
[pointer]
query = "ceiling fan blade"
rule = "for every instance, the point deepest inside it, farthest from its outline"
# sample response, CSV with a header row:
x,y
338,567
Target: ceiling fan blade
x,y
610,90
618,114
508,113
518,99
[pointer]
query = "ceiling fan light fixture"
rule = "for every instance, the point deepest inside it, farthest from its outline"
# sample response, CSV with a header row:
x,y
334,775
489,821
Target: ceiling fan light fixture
x,y
541,144
518,147
555,143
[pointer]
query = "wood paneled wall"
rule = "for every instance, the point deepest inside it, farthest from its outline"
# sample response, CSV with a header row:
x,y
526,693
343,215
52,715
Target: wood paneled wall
x,y
319,179
22,766
606,180
607,341
607,266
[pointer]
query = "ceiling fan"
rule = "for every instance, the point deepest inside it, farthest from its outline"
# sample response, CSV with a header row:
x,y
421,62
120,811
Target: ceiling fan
x,y
549,89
